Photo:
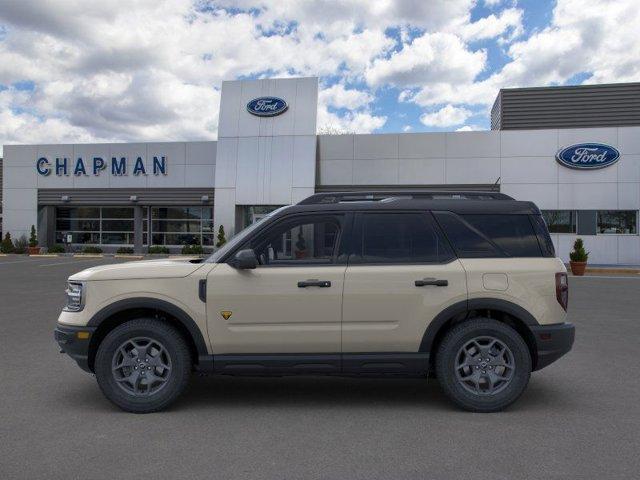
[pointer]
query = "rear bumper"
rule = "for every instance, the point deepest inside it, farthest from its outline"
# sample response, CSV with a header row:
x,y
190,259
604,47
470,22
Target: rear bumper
x,y
77,347
552,342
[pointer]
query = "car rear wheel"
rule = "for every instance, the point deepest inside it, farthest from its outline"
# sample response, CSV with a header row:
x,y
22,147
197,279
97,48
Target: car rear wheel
x,y
483,365
143,365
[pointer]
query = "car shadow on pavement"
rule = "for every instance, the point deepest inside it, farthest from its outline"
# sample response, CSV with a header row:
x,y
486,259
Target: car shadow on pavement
x,y
310,392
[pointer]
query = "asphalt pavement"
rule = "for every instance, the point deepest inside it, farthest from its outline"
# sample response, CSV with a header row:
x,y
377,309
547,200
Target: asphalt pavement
x,y
579,418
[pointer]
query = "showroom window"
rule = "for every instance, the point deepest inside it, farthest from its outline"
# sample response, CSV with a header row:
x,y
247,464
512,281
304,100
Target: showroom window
x,y
618,222
182,226
561,221
95,225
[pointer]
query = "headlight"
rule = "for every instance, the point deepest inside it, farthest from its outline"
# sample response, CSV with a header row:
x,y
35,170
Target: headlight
x,y
75,297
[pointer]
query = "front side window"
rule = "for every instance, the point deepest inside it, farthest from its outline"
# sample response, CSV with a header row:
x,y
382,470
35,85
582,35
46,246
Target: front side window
x,y
399,238
299,241
560,221
618,221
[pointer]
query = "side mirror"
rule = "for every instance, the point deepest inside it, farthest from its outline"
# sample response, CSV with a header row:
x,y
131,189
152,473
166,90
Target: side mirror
x,y
245,260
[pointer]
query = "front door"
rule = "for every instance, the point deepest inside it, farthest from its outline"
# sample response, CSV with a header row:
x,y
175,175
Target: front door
x,y
291,303
402,274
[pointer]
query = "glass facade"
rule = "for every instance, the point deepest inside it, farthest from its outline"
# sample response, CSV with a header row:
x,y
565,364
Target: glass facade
x,y
560,221
95,225
182,226
618,222
169,226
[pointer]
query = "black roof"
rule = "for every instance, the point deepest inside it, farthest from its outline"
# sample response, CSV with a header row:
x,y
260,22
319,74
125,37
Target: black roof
x,y
457,202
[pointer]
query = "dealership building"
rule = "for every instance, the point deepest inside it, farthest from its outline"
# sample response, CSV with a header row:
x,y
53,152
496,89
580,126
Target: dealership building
x,y
574,151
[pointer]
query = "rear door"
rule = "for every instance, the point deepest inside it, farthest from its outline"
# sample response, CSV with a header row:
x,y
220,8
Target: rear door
x,y
401,274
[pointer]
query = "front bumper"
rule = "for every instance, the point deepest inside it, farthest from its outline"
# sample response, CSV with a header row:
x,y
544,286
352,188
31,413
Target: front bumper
x,y
75,341
552,342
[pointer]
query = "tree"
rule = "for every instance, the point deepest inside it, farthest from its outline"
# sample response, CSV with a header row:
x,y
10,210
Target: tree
x,y
221,239
7,244
33,238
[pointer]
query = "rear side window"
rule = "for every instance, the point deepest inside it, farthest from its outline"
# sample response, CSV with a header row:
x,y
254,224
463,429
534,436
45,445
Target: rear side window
x,y
399,238
514,234
468,242
544,239
487,235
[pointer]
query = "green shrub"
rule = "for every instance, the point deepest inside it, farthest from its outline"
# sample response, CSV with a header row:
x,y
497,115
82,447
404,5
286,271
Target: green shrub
x,y
154,249
57,248
20,245
192,250
579,254
33,238
91,249
221,238
7,244
125,250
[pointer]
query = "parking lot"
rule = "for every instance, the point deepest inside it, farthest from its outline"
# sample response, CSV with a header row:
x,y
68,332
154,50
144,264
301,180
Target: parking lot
x,y
579,418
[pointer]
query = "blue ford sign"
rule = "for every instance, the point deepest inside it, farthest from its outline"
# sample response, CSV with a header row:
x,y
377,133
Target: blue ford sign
x,y
588,156
267,106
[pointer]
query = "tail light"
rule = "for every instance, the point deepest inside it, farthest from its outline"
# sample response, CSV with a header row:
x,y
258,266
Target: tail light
x,y
562,289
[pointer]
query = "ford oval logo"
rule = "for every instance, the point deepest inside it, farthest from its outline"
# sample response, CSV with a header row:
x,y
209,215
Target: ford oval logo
x,y
267,106
588,156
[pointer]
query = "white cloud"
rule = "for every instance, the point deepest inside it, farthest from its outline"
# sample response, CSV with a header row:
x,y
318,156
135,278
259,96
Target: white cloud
x,y
447,116
407,128
340,97
509,22
152,70
469,128
433,57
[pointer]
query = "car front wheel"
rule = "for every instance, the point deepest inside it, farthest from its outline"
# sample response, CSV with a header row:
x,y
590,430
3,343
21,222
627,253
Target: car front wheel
x,y
143,365
483,365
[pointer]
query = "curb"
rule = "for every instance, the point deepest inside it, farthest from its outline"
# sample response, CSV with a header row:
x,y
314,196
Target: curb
x,y
45,255
88,255
126,255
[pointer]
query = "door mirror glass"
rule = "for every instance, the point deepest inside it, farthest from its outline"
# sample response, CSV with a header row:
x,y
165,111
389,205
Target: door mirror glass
x,y
245,260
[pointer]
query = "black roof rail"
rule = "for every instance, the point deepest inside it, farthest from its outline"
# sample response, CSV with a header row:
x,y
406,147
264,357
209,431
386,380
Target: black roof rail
x,y
378,196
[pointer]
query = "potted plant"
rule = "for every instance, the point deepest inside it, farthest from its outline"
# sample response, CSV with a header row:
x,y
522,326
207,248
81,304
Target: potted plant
x,y
7,244
221,238
20,245
579,257
301,246
33,249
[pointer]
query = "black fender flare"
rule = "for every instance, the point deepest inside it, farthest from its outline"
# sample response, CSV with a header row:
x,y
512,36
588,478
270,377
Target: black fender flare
x,y
464,307
156,304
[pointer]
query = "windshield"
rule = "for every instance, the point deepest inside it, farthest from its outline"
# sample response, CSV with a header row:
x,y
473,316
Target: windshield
x,y
240,237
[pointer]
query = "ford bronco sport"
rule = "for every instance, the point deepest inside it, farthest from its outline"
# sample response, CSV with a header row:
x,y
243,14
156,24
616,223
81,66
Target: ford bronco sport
x,y
461,286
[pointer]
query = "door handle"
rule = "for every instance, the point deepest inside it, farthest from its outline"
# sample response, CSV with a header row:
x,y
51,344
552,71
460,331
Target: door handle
x,y
431,281
314,283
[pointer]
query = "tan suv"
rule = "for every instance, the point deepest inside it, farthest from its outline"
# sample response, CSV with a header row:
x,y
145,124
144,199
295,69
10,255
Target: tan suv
x,y
462,286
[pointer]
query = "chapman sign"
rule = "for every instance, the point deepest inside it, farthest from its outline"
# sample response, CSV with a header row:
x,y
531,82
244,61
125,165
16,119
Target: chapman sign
x,y
118,166
267,106
588,156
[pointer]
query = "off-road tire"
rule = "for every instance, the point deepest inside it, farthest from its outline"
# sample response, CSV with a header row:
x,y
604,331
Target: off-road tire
x,y
177,376
448,352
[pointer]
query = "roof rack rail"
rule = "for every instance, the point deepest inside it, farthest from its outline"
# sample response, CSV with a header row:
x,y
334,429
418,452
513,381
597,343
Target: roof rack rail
x,y
378,196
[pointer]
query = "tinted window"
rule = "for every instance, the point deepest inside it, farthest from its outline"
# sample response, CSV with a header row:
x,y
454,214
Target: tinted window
x,y
400,238
303,240
544,239
514,234
468,242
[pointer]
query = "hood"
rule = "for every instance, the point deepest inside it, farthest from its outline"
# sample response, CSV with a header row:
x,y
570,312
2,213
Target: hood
x,y
144,269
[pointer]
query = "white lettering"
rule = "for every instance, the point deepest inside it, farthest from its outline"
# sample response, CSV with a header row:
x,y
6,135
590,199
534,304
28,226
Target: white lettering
x,y
588,155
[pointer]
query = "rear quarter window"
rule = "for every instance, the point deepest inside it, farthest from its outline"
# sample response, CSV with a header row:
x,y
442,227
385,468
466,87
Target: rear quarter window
x,y
490,235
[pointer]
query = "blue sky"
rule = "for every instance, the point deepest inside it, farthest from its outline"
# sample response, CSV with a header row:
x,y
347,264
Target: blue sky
x,y
77,71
